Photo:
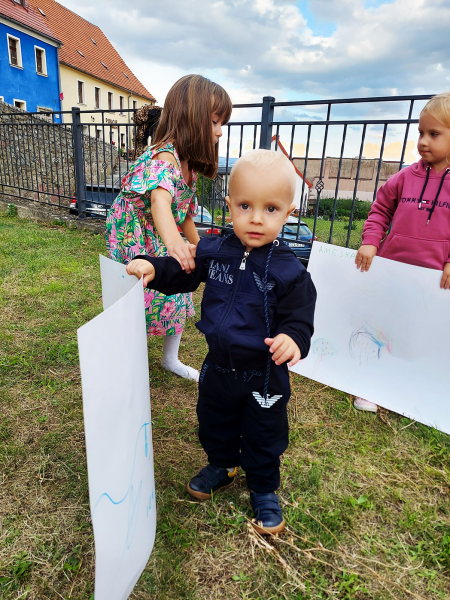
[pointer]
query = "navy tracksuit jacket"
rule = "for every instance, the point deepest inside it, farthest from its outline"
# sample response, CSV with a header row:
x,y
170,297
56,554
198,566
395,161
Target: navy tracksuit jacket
x,y
239,424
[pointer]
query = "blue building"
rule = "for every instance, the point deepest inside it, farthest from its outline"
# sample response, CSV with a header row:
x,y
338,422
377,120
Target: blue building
x,y
29,62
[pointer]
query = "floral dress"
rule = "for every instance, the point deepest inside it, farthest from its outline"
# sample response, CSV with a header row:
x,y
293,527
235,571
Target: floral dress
x,y
130,231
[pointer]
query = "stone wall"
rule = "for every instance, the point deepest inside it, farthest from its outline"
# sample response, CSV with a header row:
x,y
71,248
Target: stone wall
x,y
366,181
36,158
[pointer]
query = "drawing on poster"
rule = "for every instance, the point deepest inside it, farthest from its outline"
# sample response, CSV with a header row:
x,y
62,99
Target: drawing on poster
x,y
367,343
134,492
321,348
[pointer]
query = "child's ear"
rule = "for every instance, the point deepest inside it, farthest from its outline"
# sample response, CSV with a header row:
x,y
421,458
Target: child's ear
x,y
290,209
227,200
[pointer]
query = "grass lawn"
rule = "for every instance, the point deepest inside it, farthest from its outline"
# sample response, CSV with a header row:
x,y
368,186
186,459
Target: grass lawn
x,y
339,235
366,498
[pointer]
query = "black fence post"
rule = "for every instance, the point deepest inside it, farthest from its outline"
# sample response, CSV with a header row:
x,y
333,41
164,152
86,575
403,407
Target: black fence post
x,y
78,162
266,122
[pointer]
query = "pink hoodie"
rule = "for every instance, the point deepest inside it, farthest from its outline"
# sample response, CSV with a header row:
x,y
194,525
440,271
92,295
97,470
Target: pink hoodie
x,y
411,239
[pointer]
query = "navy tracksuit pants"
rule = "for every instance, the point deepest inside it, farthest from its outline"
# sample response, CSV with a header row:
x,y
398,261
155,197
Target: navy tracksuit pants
x,y
237,430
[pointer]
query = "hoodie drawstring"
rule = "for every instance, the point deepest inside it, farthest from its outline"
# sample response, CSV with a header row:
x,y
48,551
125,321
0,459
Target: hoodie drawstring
x,y
266,312
266,315
437,195
424,186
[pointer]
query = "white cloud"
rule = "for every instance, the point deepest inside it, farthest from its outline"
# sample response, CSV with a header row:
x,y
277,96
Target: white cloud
x,y
262,47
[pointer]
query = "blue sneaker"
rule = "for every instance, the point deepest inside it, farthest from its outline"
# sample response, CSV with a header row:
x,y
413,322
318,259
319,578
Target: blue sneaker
x,y
267,511
210,480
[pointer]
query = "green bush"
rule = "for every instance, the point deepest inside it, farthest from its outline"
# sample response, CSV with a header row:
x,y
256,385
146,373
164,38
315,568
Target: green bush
x,y
11,210
346,225
344,208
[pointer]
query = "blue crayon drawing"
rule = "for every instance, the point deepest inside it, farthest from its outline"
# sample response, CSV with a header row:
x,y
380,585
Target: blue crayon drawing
x,y
367,343
321,347
132,494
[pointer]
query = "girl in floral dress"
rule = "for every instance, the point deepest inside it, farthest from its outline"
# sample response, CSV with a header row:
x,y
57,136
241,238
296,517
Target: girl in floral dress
x,y
158,196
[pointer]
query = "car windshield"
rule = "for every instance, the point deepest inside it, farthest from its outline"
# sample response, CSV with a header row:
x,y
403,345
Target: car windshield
x,y
304,230
206,216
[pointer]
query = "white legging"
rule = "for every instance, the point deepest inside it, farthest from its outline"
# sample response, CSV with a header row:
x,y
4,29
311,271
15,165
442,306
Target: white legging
x,y
170,358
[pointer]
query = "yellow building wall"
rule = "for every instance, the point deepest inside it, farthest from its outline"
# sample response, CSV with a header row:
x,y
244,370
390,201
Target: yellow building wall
x,y
69,87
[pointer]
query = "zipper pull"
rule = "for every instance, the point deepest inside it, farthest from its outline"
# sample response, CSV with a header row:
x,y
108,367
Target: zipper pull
x,y
244,260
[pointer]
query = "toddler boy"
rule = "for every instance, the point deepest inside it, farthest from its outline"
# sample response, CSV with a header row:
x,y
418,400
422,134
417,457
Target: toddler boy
x,y
257,314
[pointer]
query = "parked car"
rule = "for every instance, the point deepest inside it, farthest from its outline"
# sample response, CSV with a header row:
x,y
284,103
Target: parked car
x,y
299,238
204,223
300,244
98,200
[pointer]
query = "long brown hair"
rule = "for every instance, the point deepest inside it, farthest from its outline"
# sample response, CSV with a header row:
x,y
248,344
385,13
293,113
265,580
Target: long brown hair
x,y
186,122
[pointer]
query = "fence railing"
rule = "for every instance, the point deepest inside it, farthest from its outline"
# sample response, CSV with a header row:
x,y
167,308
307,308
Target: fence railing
x,y
342,149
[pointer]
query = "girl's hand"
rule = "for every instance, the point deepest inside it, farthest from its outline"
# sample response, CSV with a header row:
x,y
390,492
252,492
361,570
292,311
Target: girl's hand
x,y
283,348
445,281
365,256
141,267
185,254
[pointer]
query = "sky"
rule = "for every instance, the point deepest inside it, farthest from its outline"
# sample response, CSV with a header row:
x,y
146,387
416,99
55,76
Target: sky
x,y
309,49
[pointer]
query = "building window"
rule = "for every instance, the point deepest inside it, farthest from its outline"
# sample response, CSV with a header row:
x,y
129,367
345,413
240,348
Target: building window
x,y
41,61
20,104
121,103
15,54
99,134
97,97
122,140
135,104
81,92
47,112
110,101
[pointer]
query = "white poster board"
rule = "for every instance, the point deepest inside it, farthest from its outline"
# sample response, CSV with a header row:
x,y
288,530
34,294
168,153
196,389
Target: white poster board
x,y
116,404
383,335
115,281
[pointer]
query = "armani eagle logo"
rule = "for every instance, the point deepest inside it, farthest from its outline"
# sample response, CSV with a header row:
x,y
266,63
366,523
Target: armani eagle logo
x,y
266,402
260,283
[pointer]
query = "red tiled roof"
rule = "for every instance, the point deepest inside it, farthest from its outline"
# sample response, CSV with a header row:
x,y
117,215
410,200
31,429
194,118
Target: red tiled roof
x,y
27,16
281,147
77,34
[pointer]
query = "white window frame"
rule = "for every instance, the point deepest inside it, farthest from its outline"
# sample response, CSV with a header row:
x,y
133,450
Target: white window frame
x,y
111,110
44,109
44,61
19,51
84,93
135,104
123,104
20,107
99,97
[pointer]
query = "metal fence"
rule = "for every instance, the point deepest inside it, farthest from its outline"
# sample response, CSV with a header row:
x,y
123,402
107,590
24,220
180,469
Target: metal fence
x,y
77,165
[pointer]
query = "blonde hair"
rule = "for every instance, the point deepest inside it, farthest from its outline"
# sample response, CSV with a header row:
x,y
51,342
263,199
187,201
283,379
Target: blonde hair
x,y
439,108
264,159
